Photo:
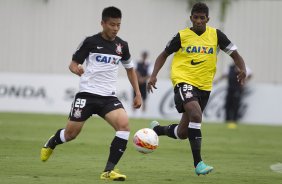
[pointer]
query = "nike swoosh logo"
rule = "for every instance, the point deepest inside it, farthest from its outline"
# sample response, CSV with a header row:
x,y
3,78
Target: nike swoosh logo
x,y
196,63
99,47
116,104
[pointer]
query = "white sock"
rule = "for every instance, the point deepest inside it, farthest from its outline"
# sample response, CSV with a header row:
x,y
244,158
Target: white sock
x,y
123,134
62,135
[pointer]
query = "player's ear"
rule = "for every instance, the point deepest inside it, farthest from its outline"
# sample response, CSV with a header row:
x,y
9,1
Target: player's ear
x,y
208,19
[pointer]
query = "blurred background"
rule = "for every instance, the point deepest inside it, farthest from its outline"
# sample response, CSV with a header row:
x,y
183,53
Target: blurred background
x,y
38,38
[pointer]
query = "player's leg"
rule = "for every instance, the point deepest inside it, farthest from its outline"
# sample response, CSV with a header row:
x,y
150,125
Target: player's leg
x,y
194,110
175,131
169,130
80,111
61,136
118,119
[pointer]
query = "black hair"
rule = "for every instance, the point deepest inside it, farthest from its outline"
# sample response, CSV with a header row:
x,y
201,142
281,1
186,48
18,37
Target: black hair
x,y
200,8
111,12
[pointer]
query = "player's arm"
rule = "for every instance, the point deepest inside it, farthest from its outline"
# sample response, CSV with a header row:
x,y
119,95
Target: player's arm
x,y
239,62
79,56
132,77
158,65
229,48
173,45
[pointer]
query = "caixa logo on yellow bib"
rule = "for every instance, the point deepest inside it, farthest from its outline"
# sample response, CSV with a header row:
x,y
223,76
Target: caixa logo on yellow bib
x,y
199,49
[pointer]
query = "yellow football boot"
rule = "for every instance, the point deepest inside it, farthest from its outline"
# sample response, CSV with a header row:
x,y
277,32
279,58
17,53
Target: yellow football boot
x,y
46,151
45,154
112,175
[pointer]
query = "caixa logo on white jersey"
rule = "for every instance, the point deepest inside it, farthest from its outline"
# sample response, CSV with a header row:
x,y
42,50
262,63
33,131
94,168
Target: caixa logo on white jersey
x,y
112,59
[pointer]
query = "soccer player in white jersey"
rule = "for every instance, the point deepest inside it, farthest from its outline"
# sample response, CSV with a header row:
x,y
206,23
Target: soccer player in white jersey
x,y
101,54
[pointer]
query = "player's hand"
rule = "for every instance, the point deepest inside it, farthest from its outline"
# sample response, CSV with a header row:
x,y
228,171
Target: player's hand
x,y
137,101
241,77
76,68
80,70
151,84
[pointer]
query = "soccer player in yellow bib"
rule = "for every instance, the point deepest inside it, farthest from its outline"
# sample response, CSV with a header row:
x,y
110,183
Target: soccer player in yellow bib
x,y
192,72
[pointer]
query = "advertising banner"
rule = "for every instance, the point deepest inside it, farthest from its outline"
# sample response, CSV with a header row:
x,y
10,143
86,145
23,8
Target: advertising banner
x,y
54,93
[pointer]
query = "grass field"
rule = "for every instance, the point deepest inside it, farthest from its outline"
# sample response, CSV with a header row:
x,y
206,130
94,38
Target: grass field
x,y
239,156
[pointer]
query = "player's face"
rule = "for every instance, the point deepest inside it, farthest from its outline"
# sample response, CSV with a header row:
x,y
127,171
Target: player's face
x,y
111,27
199,21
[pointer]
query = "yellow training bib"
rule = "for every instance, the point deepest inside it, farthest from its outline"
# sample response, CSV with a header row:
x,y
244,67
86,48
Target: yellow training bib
x,y
195,62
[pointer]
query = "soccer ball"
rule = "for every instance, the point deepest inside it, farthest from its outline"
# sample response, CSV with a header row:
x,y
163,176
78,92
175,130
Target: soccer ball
x,y
145,140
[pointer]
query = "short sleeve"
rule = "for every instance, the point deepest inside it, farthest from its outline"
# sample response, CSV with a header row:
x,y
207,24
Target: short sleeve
x,y
125,52
224,43
82,52
173,45
126,60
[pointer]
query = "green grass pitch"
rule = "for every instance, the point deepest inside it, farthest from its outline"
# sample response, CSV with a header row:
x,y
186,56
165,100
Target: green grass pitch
x,y
239,156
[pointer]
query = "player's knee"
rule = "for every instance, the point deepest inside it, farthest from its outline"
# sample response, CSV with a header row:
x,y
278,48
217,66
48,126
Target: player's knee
x,y
122,124
196,117
123,127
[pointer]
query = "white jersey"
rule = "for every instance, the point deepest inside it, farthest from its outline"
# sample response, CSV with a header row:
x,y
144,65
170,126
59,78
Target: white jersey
x,y
102,59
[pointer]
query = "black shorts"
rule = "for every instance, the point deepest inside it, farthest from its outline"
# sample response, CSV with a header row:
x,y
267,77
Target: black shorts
x,y
86,104
184,93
